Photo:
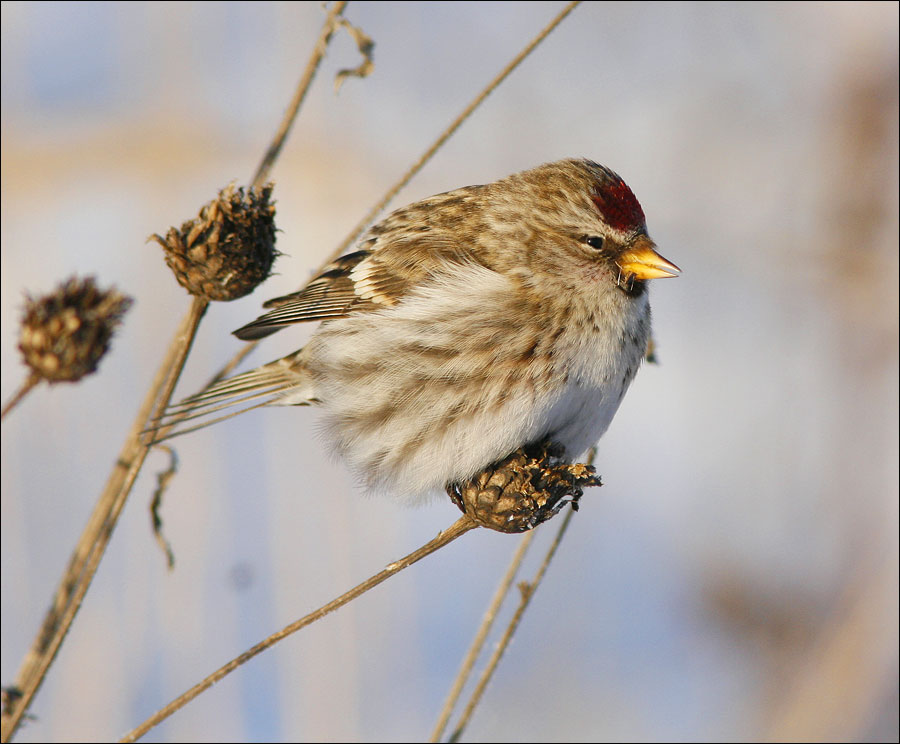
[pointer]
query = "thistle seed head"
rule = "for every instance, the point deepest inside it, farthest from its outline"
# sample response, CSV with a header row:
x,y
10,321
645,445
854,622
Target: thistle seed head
x,y
65,333
228,249
523,489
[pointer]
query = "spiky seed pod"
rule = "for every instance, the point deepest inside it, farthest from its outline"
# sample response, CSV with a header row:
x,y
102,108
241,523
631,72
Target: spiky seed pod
x,y
228,249
66,333
524,489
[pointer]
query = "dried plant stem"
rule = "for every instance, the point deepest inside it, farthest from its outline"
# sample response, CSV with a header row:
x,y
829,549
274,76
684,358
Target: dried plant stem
x,y
527,590
417,166
490,615
312,66
457,529
96,535
26,387
232,364
478,642
274,150
451,130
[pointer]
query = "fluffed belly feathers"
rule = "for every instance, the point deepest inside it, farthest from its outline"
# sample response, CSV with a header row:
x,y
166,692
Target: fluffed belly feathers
x,y
429,392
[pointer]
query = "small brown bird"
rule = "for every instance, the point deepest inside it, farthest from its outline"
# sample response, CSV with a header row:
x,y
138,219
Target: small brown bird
x,y
467,325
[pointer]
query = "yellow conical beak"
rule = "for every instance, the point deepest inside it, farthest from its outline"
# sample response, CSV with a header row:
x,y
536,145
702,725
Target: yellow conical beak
x,y
642,261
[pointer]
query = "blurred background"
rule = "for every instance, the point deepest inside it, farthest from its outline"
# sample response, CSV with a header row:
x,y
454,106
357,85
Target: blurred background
x,y
735,579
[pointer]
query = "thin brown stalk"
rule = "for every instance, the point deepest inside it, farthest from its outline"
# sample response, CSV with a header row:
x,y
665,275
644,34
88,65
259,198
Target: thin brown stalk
x,y
232,364
457,529
329,26
312,66
26,387
98,531
478,642
527,589
95,537
451,130
418,165
487,622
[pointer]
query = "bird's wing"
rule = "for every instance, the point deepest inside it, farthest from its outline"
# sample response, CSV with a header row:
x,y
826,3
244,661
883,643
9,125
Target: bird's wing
x,y
397,254
330,295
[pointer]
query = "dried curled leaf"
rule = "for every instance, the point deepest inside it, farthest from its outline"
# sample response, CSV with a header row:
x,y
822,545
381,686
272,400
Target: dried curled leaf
x,y
365,45
523,489
65,334
162,483
228,249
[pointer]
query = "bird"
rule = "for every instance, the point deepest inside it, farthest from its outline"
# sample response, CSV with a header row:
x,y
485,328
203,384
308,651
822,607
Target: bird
x,y
466,325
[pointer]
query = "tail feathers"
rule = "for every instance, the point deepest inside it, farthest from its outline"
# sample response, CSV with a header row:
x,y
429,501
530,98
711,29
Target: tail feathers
x,y
282,382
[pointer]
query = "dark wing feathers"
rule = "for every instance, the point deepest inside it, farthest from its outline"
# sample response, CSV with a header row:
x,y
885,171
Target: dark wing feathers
x,y
401,252
356,282
333,279
329,295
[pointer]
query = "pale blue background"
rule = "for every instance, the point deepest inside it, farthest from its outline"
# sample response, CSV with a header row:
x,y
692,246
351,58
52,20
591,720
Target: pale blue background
x,y
745,544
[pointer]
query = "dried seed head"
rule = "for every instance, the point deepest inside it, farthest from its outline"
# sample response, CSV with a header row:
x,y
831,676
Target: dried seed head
x,y
522,490
228,249
66,333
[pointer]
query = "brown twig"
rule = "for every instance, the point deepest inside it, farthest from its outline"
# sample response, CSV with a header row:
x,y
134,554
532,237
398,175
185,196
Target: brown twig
x,y
457,529
478,642
95,537
420,163
527,589
329,26
98,531
488,621
26,388
162,483
312,66
451,130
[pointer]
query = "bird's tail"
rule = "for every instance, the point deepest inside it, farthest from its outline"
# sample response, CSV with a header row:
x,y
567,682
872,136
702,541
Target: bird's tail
x,y
282,382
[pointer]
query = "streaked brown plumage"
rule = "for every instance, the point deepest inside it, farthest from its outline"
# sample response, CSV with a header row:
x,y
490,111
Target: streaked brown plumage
x,y
467,325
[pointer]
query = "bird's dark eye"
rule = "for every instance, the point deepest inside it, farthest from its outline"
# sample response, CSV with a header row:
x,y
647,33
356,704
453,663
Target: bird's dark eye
x,y
594,241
